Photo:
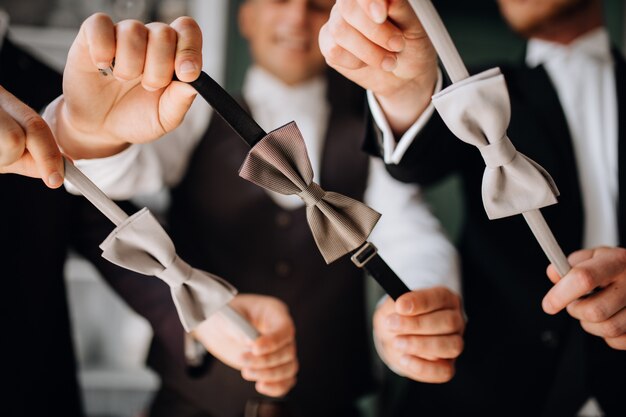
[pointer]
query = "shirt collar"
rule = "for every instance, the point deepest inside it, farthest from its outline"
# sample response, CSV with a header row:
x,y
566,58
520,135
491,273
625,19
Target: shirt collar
x,y
261,87
595,44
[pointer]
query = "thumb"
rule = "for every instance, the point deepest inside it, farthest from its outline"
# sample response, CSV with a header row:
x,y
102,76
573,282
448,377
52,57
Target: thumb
x,y
277,330
174,104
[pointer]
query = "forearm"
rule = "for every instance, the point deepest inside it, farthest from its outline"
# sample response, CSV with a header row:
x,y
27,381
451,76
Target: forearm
x,y
146,168
408,235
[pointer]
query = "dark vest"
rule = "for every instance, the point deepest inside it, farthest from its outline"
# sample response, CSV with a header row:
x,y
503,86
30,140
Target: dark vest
x,y
226,225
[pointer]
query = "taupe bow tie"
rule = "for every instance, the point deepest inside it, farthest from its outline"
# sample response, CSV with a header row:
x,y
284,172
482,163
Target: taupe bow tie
x,y
339,224
280,163
478,110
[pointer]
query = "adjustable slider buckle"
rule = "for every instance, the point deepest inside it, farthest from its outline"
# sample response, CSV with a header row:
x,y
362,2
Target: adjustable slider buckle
x,y
364,254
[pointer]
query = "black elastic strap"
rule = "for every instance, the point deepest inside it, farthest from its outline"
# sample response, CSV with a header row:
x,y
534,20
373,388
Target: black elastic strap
x,y
228,108
367,257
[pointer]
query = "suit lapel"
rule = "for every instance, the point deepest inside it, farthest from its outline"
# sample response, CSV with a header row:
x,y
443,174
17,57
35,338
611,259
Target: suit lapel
x,y
620,82
544,136
543,101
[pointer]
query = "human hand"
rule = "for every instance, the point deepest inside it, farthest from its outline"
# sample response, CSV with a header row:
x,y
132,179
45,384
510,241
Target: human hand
x,y
382,46
27,146
270,360
101,114
421,334
594,292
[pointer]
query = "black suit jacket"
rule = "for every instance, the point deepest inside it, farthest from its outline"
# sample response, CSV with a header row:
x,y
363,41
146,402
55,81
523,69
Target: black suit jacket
x,y
518,360
35,234
38,226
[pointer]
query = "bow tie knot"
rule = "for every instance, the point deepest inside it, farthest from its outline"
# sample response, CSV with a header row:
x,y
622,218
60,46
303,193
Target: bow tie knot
x,y
279,162
312,194
499,153
176,273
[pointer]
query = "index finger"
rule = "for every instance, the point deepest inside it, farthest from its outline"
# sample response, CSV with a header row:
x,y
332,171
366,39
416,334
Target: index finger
x,y
375,9
39,141
273,341
398,11
581,280
425,301
12,139
188,63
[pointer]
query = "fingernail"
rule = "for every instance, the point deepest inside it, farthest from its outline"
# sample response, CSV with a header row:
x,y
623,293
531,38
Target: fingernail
x,y
407,306
389,64
187,67
150,89
55,179
400,344
378,12
396,43
251,373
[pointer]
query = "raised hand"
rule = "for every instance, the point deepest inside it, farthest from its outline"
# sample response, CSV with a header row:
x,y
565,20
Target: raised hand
x,y
139,103
27,146
381,45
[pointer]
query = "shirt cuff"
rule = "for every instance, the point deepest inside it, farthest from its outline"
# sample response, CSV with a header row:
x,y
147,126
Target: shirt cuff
x,y
392,151
108,173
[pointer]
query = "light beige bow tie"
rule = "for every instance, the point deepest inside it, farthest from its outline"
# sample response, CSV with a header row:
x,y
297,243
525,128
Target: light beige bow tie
x,y
140,244
280,163
478,110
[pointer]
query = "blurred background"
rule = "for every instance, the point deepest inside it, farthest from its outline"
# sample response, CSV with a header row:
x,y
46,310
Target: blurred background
x,y
111,341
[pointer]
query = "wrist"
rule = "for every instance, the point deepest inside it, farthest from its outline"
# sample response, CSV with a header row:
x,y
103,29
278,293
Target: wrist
x,y
403,107
79,144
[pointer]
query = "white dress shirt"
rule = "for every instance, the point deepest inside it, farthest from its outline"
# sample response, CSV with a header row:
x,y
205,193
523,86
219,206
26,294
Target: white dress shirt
x,y
409,238
583,75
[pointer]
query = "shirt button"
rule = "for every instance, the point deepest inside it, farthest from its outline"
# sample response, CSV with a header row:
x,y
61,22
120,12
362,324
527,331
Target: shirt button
x,y
550,339
283,219
283,269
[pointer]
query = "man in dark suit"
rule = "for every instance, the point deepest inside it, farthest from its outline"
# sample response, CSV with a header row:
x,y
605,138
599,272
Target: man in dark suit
x,y
567,102
37,346
261,241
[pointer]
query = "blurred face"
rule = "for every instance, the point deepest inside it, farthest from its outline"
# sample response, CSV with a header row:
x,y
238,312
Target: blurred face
x,y
283,36
527,17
